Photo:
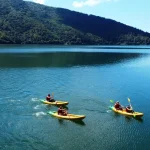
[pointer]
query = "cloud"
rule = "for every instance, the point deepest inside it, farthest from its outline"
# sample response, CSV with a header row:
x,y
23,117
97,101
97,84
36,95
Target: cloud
x,y
90,2
39,1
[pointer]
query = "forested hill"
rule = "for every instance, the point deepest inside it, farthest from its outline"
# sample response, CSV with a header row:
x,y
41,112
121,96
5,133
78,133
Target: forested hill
x,y
23,22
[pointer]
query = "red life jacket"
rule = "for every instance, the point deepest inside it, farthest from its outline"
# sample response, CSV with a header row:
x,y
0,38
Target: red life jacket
x,y
129,110
60,111
117,105
48,98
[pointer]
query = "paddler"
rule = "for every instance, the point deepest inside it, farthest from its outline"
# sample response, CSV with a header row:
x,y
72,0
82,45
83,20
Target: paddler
x,y
129,109
49,98
62,111
118,106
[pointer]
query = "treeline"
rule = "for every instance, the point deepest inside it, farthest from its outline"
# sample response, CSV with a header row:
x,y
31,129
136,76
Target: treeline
x,y
23,22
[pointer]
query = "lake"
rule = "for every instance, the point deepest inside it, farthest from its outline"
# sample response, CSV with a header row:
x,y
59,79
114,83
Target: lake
x,y
88,77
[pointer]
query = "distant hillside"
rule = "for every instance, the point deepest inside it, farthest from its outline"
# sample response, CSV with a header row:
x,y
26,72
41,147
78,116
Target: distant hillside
x,y
30,23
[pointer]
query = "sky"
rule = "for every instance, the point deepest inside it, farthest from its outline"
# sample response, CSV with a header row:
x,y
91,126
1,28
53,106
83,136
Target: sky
x,y
135,13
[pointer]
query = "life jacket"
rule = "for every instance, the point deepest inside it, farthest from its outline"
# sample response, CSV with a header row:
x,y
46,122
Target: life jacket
x,y
117,105
48,98
60,111
129,110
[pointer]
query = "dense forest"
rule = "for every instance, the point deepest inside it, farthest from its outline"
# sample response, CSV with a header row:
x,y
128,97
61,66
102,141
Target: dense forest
x,y
23,22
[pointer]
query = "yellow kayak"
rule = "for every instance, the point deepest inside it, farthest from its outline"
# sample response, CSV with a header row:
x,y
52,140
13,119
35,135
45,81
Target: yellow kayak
x,y
69,116
58,103
134,114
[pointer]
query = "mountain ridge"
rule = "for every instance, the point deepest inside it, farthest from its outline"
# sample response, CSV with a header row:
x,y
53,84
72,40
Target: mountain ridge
x,y
24,22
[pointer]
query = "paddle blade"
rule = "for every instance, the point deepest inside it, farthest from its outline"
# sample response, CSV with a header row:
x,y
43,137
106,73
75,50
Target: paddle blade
x,y
53,94
111,101
128,99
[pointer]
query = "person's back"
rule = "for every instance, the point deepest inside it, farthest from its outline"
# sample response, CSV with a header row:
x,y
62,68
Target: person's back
x,y
48,97
118,106
60,110
129,109
65,112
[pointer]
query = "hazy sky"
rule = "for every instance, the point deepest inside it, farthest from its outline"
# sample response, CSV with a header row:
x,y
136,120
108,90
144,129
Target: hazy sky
x,y
135,13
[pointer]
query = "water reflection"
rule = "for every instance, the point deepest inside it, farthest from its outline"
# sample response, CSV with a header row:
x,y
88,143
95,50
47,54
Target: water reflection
x,y
63,59
129,118
79,122
61,121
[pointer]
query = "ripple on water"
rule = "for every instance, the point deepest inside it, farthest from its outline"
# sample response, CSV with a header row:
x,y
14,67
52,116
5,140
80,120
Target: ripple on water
x,y
88,90
34,99
39,114
37,107
15,100
108,111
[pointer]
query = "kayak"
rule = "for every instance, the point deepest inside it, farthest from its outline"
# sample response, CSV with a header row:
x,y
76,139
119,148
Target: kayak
x,y
69,116
123,112
58,103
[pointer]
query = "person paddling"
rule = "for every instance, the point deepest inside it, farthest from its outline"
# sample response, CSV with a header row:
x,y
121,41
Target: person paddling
x,y
129,109
118,106
49,98
62,111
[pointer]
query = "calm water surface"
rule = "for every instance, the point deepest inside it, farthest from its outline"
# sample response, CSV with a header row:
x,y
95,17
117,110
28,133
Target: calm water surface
x,y
86,76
